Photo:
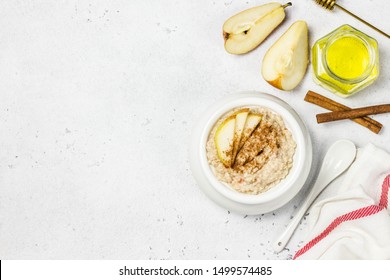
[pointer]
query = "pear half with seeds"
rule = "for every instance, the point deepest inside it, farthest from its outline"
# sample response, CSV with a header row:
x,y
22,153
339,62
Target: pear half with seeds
x,y
224,139
285,63
246,30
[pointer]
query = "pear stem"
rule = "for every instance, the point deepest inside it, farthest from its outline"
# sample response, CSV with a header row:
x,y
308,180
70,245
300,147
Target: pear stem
x,y
287,5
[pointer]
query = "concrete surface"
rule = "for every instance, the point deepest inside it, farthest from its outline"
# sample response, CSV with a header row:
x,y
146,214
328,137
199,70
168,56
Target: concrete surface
x,y
97,103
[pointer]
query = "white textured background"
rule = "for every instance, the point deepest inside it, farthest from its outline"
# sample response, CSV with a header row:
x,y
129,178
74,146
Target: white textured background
x,y
97,101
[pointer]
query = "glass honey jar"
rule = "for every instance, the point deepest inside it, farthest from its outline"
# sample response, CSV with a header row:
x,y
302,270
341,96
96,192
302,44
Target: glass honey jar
x,y
345,61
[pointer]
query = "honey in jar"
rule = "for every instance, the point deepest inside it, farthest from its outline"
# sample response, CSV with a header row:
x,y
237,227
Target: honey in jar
x,y
345,61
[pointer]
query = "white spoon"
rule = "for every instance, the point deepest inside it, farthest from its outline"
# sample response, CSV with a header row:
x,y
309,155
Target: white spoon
x,y
337,159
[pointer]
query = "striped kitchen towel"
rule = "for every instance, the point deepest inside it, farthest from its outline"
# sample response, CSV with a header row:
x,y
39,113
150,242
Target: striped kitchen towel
x,y
355,222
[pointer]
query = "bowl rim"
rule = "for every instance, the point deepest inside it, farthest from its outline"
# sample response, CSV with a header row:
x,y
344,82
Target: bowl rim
x,y
292,121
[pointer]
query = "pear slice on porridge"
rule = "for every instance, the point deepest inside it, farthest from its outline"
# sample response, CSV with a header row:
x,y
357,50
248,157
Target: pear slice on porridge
x,y
241,117
224,139
252,122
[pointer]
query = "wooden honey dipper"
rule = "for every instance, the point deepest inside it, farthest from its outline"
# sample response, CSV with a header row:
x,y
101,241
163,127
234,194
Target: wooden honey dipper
x,y
330,4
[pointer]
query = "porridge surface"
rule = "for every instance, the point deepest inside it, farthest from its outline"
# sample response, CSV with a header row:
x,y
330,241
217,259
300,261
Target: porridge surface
x,y
265,158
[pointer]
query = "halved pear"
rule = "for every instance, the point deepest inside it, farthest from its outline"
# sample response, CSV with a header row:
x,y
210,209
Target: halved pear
x,y
285,63
241,117
224,139
252,121
246,30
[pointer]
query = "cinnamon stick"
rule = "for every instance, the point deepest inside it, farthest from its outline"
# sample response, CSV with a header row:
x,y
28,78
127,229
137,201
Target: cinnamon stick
x,y
353,113
334,106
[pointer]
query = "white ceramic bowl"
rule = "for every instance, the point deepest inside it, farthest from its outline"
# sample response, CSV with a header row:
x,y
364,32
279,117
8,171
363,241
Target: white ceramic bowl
x,y
222,193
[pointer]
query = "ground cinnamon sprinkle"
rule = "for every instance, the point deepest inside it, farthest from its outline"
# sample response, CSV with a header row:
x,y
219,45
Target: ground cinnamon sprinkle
x,y
262,142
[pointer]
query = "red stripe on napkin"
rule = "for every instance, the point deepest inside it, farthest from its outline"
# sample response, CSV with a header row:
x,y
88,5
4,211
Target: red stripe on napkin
x,y
385,192
353,215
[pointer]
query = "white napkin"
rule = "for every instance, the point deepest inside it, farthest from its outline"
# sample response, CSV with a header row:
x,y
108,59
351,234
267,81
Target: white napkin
x,y
354,223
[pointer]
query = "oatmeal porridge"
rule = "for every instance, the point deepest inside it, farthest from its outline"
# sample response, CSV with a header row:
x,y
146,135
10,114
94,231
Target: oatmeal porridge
x,y
250,149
